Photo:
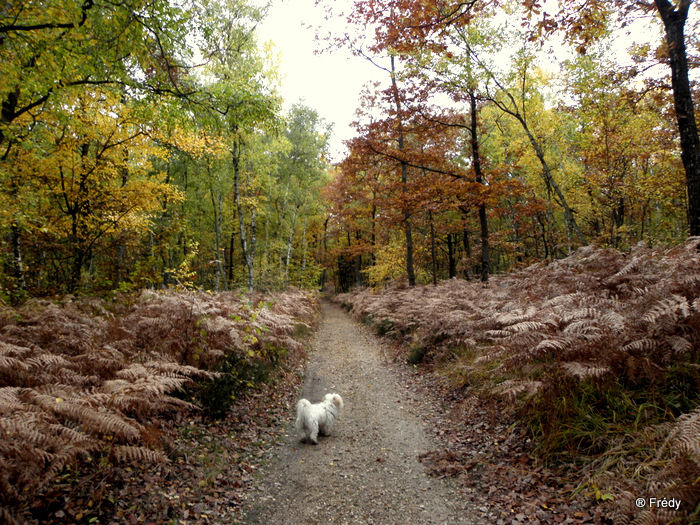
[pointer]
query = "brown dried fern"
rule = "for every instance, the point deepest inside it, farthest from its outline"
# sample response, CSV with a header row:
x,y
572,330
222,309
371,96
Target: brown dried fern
x,y
599,318
77,380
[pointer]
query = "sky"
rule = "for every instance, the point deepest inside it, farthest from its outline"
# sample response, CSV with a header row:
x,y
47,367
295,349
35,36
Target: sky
x,y
330,83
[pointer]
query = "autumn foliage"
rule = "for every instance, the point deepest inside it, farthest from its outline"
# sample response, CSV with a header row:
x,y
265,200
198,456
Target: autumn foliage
x,y
86,384
481,151
598,353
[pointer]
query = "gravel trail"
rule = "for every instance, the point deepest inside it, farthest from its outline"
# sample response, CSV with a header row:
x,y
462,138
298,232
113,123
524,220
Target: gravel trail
x,y
367,471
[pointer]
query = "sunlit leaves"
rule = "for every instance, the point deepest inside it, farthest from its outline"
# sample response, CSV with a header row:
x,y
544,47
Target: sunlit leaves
x,y
67,43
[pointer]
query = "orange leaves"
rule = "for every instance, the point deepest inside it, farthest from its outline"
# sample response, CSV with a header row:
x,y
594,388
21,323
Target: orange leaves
x,y
407,25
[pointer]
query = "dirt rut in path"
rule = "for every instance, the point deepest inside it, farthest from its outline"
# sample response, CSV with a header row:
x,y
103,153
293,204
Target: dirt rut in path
x,y
367,471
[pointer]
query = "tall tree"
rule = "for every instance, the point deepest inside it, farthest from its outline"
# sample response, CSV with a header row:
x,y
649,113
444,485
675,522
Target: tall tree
x,y
47,49
515,105
674,19
585,21
401,142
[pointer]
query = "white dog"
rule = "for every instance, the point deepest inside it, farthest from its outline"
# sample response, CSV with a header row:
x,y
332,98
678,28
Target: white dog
x,y
318,418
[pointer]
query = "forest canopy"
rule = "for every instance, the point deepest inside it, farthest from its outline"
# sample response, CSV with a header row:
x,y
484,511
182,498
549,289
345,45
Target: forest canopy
x,y
145,143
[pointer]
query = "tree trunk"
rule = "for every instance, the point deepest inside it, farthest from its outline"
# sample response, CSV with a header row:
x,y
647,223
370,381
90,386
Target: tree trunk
x,y
479,177
432,249
303,242
452,264
467,246
373,236
250,259
357,260
571,223
674,20
404,179
280,219
218,205
248,251
230,256
290,243
18,265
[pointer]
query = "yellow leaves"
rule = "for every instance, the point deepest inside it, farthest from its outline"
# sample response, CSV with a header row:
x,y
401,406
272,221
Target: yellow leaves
x,y
89,169
390,263
197,143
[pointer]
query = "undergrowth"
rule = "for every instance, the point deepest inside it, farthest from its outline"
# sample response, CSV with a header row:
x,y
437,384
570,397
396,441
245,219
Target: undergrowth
x,y
598,354
89,387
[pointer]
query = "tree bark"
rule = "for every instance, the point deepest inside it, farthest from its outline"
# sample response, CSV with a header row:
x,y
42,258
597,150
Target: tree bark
x,y
230,256
467,245
217,201
290,243
479,177
404,179
18,265
304,243
452,264
674,20
433,255
248,249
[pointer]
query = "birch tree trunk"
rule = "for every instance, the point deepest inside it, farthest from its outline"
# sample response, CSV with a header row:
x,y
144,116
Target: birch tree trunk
x,y
217,201
303,239
248,249
290,242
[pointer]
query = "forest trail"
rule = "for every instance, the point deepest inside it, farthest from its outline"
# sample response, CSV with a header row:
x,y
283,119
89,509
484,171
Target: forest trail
x,y
368,470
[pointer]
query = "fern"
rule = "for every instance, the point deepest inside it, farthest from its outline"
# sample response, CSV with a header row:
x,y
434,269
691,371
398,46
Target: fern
x,y
675,306
605,337
79,382
641,346
515,387
585,371
133,454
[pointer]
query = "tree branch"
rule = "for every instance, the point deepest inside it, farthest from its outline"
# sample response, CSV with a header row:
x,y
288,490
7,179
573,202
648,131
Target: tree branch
x,y
60,25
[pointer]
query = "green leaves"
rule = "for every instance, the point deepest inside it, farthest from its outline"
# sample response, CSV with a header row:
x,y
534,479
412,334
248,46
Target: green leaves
x,y
105,114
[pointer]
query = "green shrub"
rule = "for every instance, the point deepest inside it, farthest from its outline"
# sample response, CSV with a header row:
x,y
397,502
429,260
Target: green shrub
x,y
235,374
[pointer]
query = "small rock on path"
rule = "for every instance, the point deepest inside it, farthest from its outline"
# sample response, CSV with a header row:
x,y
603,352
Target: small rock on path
x,y
367,471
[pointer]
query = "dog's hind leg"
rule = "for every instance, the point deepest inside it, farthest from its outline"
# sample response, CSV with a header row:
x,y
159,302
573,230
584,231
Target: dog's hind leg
x,y
313,432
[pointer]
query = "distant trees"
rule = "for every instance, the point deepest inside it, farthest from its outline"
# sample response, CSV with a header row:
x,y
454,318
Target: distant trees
x,y
143,143
537,157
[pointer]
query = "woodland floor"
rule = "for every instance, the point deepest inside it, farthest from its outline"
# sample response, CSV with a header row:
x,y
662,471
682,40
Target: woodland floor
x,y
368,470
407,448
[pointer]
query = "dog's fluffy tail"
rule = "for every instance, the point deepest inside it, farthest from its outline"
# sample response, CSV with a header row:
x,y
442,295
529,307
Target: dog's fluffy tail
x,y
303,407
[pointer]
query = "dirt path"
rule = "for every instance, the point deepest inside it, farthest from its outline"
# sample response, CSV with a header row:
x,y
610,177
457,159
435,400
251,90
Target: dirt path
x,y
367,471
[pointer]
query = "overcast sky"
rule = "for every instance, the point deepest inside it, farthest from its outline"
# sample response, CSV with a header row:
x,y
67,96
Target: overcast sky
x,y
329,83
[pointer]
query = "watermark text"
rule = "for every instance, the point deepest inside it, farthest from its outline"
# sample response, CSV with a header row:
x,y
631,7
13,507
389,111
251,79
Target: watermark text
x,y
663,503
